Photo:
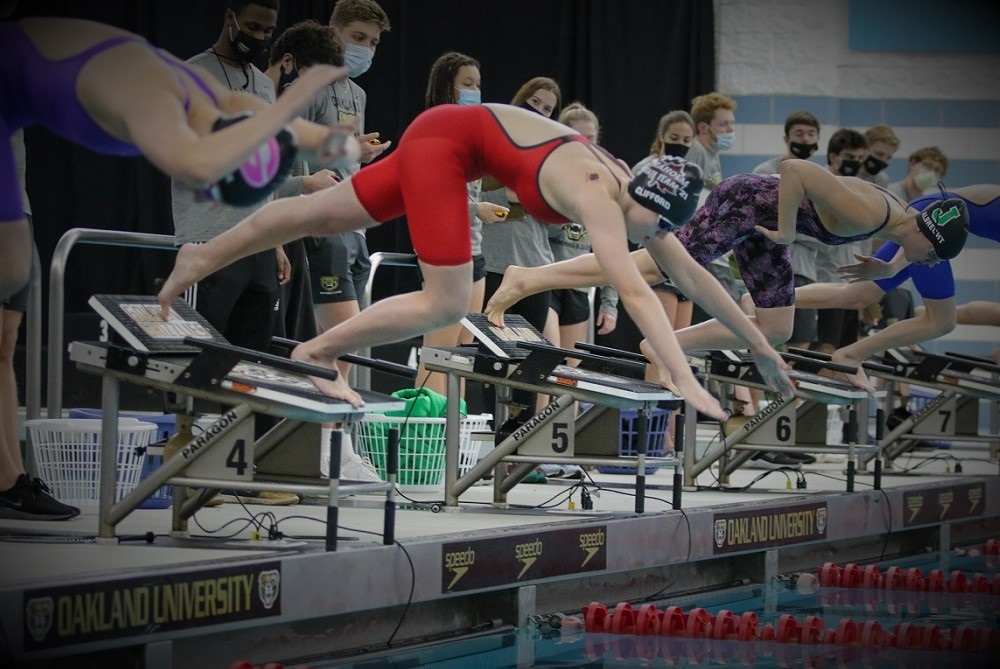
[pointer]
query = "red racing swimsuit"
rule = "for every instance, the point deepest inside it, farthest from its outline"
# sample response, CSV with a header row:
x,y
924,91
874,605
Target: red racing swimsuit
x,y
444,148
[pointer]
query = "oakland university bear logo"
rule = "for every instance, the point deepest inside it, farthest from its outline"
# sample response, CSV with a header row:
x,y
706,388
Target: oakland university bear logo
x,y
329,283
574,231
720,533
821,520
269,587
38,617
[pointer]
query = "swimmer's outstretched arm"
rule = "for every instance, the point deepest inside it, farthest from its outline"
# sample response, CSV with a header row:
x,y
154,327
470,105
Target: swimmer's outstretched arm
x,y
606,227
158,125
699,285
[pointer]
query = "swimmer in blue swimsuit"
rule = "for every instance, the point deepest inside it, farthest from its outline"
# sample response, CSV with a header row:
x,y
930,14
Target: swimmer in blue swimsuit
x,y
876,275
113,92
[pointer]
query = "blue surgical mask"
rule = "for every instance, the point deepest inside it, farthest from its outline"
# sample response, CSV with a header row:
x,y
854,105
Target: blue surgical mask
x,y
358,58
725,140
468,96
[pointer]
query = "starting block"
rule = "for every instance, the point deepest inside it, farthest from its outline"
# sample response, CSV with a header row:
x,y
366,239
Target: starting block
x,y
961,382
186,357
517,357
794,424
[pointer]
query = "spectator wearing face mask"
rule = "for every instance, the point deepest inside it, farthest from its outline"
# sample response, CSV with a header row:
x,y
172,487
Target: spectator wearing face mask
x,y
882,146
714,115
927,167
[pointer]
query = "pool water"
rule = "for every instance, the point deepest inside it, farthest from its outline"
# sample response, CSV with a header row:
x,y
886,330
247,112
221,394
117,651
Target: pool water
x,y
917,620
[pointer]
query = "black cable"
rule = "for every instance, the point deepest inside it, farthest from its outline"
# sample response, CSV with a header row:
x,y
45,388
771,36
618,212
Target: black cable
x,y
252,521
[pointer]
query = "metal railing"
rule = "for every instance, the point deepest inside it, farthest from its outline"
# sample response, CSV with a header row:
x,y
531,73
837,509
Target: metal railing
x,y
57,300
363,375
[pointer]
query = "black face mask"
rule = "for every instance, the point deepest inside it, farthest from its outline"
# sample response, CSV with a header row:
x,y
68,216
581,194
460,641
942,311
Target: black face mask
x,y
803,151
673,149
248,49
873,165
850,168
286,80
525,105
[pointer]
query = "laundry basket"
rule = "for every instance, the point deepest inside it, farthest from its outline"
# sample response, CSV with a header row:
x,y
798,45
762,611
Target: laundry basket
x,y
166,425
468,451
68,456
421,449
656,432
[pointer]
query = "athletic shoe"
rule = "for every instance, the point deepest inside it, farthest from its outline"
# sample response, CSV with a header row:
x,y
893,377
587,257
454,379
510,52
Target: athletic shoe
x,y
260,498
29,499
359,470
772,460
803,458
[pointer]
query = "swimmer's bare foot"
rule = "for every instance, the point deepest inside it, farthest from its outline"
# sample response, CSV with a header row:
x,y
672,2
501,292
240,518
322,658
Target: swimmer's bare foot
x,y
511,290
859,379
702,400
188,270
338,389
686,387
661,374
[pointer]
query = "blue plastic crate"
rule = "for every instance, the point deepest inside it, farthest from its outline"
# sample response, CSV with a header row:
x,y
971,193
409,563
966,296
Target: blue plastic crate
x,y
166,426
659,421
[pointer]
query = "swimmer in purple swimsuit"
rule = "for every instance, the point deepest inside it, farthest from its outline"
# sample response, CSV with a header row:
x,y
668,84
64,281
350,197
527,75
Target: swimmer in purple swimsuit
x,y
756,216
113,92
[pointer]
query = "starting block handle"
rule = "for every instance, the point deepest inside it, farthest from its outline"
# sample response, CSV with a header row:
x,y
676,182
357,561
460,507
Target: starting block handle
x,y
609,352
819,355
607,361
815,360
976,362
380,365
275,361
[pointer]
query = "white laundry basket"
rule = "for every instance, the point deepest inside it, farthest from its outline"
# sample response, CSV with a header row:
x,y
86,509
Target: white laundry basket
x,y
68,456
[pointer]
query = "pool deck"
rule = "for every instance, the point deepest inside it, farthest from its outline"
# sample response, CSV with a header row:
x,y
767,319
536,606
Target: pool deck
x,y
221,594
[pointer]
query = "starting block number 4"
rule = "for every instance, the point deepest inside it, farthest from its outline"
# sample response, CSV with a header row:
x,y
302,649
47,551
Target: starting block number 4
x,y
230,456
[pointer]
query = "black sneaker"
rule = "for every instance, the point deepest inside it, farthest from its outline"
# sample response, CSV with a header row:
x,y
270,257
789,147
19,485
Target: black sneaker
x,y
804,458
30,500
772,460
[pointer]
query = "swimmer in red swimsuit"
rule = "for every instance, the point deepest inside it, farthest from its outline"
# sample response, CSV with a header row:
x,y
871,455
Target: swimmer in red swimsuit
x,y
113,92
558,177
741,215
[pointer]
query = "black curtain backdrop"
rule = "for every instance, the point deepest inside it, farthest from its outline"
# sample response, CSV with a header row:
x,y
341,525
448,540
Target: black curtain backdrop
x,y
629,60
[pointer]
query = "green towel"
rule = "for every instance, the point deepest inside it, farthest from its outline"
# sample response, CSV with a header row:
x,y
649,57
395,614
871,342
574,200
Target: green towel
x,y
424,403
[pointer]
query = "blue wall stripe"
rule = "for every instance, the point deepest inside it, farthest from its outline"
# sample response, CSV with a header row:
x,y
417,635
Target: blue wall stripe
x,y
970,113
755,109
969,291
902,113
862,113
963,172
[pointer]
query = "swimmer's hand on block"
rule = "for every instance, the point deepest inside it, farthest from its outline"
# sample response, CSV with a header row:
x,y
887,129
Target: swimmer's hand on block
x,y
488,212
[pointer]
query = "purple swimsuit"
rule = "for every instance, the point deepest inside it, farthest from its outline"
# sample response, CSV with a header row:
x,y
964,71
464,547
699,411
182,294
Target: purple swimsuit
x,y
35,90
726,223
